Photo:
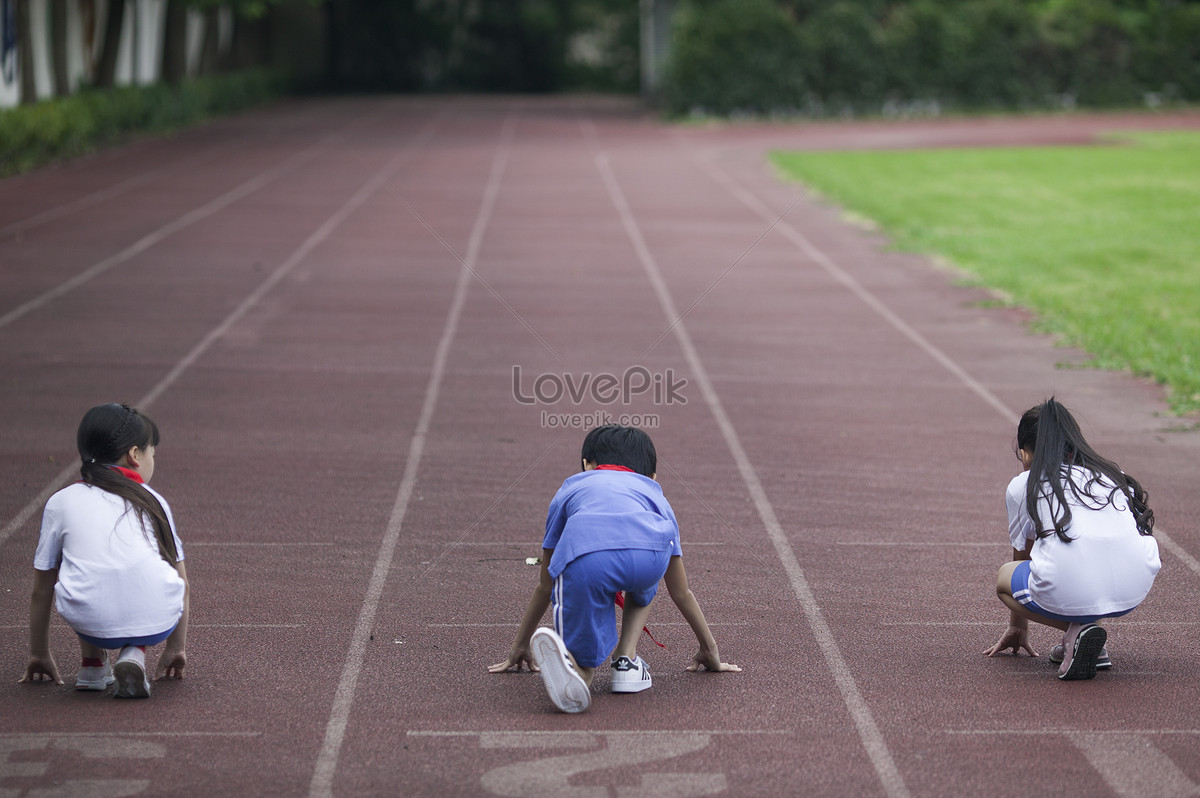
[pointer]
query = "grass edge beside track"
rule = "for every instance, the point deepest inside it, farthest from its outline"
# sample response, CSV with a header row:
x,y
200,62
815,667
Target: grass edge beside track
x,y
1108,225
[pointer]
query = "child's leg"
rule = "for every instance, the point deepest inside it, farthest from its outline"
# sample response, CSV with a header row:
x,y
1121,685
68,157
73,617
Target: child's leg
x,y
1004,590
633,618
90,652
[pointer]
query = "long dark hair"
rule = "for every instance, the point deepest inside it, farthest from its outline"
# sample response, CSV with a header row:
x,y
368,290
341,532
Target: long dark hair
x,y
1051,433
105,435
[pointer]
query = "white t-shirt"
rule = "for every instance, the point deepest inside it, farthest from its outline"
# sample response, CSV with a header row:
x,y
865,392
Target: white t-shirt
x,y
1107,567
112,582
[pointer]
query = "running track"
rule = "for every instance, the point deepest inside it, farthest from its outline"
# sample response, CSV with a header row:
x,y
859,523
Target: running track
x,y
323,305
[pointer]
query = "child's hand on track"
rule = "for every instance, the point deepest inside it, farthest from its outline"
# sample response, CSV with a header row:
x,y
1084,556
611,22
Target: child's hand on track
x,y
1013,638
711,661
170,665
516,658
41,669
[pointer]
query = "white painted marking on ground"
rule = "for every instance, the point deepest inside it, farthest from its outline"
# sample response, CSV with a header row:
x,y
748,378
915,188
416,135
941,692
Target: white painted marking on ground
x,y
855,287
115,190
250,301
169,229
335,730
550,777
860,713
290,545
941,544
511,625
1133,767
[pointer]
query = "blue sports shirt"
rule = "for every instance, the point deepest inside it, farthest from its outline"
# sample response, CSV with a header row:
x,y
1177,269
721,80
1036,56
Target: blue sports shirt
x,y
603,510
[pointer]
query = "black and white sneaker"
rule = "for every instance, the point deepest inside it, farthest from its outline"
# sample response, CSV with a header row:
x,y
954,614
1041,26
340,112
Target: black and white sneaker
x,y
1081,650
1103,661
630,675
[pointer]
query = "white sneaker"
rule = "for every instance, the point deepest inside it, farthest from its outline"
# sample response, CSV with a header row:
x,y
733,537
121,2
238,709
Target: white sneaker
x,y
95,677
630,675
130,673
566,687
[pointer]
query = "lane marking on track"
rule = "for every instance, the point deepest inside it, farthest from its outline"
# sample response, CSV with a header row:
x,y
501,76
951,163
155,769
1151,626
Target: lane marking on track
x,y
839,274
570,734
941,544
860,713
1133,767
187,220
339,716
511,625
90,735
115,190
273,279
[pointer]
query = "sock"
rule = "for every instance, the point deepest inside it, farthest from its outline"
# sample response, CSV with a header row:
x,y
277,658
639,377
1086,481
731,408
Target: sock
x,y
92,662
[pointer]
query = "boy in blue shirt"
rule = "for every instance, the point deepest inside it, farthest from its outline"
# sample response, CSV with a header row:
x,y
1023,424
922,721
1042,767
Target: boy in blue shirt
x,y
609,529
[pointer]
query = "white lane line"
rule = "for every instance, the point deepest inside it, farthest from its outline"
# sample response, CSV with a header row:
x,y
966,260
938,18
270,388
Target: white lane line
x,y
115,190
597,732
855,287
272,280
192,543
147,241
511,625
1059,731
860,713
1133,767
335,730
941,544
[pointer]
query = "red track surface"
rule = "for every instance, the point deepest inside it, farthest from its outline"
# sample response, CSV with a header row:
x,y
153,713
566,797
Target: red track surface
x,y
323,304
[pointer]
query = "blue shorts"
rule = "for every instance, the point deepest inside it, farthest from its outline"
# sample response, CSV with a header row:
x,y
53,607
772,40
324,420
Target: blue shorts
x,y
1020,591
585,610
109,643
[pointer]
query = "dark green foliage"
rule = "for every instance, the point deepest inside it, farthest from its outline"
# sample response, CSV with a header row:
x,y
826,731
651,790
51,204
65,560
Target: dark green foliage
x,y
871,55
38,134
735,56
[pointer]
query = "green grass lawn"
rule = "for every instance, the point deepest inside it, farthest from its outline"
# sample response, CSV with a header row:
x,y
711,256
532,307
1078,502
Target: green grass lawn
x,y
1102,242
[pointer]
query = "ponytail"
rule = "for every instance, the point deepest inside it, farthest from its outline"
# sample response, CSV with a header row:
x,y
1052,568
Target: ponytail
x,y
106,433
1052,434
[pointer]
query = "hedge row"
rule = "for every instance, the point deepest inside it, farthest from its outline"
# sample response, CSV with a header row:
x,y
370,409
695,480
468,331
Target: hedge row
x,y
38,134
854,56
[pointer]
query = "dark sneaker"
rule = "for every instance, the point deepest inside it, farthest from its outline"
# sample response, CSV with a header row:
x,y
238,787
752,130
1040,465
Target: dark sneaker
x,y
1081,649
1103,662
566,687
630,675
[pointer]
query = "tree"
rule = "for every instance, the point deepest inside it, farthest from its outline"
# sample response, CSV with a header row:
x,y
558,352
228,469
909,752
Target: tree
x,y
28,87
106,65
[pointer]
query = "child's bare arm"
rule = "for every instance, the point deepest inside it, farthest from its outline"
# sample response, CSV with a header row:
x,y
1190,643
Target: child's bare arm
x,y
519,655
173,659
41,662
708,657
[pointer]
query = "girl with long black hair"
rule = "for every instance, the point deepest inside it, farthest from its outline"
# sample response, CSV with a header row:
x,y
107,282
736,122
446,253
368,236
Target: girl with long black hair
x,y
1082,538
109,557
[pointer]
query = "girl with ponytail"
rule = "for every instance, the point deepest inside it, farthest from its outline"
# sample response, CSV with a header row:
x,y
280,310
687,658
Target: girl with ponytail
x,y
1082,538
109,557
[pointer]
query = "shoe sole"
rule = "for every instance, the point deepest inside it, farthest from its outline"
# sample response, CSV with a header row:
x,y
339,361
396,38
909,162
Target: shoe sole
x,y
1101,664
131,681
631,687
99,686
1087,651
566,688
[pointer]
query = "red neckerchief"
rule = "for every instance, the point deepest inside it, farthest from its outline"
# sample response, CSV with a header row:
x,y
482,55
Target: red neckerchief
x,y
128,472
614,468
